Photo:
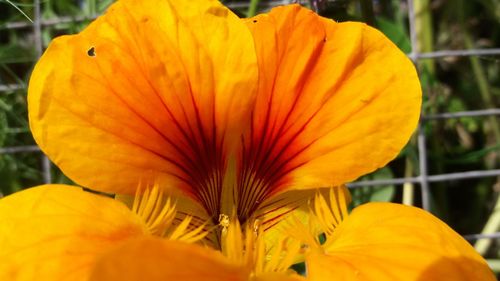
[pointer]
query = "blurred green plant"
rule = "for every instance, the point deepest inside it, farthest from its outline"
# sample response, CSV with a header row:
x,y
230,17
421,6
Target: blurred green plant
x,y
366,194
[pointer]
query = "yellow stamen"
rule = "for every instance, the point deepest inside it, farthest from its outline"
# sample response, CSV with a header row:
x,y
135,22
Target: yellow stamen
x,y
247,247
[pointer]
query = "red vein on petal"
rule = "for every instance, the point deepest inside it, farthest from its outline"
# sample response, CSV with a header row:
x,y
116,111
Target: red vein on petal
x,y
263,168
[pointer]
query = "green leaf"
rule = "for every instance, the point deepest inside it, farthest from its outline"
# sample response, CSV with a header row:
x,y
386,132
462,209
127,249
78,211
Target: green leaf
x,y
374,193
395,32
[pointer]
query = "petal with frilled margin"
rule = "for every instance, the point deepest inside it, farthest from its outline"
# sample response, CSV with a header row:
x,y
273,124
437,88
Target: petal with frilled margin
x,y
336,101
384,241
152,91
55,232
278,277
157,259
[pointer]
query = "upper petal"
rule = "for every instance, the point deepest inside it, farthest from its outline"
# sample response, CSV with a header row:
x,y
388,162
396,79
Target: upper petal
x,y
151,92
335,101
384,241
156,259
56,232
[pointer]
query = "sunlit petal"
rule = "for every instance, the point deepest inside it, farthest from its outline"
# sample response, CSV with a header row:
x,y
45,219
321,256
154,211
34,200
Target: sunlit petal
x,y
156,259
56,232
384,241
153,92
336,101
278,277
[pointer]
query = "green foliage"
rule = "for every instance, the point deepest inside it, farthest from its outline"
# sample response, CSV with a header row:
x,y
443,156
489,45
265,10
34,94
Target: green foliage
x,y
395,32
17,57
366,194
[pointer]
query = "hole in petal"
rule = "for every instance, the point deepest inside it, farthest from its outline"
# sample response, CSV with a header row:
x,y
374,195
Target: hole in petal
x,y
91,52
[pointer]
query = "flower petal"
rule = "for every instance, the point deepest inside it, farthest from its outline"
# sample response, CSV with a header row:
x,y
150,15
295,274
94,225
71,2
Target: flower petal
x,y
384,241
278,277
153,91
156,259
336,101
55,232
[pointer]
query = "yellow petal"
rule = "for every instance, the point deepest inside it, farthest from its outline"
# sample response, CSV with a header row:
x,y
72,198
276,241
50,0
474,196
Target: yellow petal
x,y
384,241
151,92
156,259
55,232
336,101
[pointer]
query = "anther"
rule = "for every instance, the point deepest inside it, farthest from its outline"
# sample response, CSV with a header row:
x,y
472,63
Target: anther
x,y
224,221
256,226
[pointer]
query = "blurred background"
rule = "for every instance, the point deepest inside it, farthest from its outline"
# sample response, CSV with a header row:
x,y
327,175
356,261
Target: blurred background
x,y
451,165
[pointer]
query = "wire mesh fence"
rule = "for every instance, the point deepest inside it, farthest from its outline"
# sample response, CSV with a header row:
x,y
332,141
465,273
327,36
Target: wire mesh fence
x,y
422,180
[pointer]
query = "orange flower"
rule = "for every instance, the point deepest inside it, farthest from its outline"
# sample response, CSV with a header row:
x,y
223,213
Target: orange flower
x,y
240,121
229,113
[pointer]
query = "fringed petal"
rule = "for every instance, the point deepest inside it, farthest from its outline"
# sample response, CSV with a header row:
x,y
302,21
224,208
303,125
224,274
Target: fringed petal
x,y
155,259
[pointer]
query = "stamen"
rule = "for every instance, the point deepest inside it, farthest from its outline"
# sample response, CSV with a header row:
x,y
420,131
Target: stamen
x,y
158,213
224,221
247,247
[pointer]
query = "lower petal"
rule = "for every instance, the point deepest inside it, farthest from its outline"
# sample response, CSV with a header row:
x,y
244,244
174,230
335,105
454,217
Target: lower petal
x,y
382,241
278,277
156,259
55,232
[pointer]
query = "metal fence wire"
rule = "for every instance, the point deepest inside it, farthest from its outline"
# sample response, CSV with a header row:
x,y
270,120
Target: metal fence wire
x,y
423,180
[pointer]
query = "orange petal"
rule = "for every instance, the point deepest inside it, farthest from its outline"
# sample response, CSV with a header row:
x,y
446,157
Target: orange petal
x,y
156,259
153,91
384,241
55,232
336,101
278,277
